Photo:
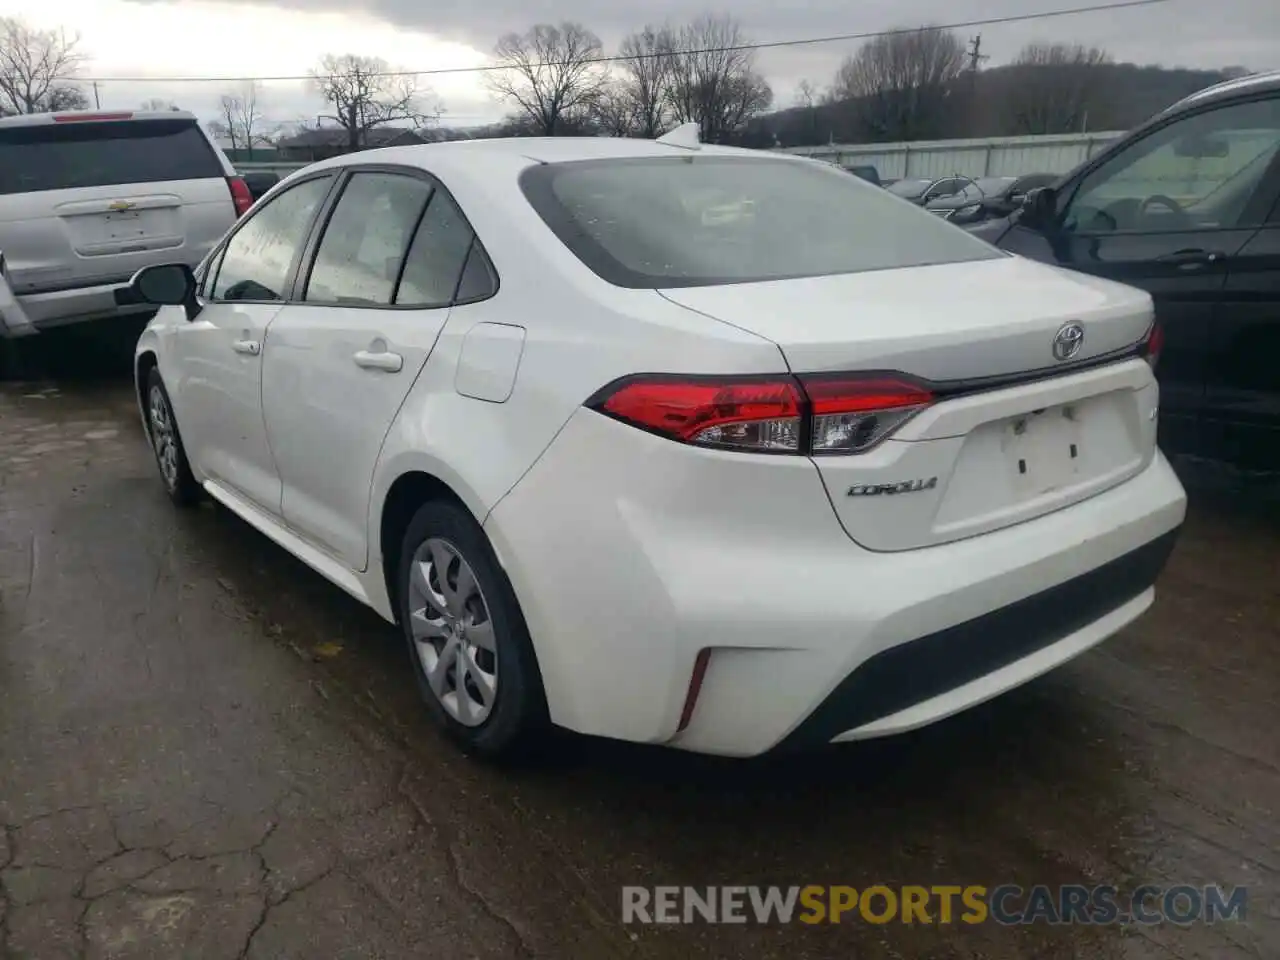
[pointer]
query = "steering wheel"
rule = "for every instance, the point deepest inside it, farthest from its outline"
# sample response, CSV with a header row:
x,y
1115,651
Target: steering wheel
x,y
1160,200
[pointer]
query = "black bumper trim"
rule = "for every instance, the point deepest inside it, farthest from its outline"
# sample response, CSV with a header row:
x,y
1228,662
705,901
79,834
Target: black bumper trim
x,y
920,669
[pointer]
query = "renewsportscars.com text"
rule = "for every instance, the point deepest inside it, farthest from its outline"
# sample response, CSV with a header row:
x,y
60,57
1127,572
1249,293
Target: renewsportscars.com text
x,y
973,904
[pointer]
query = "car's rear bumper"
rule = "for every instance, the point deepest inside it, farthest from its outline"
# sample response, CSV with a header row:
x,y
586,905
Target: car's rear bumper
x,y
26,314
630,554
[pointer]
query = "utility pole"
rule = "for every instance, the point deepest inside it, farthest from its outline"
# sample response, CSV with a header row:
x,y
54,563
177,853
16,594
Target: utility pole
x,y
97,102
975,54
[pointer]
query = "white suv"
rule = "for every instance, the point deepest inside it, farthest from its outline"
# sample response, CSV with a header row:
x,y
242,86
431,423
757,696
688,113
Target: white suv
x,y
88,199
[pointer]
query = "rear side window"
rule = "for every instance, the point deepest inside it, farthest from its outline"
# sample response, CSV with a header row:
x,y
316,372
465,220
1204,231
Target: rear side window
x,y
706,220
64,156
365,241
437,255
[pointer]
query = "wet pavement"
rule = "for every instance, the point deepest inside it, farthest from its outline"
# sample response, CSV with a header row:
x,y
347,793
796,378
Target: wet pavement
x,y
207,751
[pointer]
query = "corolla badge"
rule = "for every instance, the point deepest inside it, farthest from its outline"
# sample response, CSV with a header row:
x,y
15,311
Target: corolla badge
x,y
877,489
1067,341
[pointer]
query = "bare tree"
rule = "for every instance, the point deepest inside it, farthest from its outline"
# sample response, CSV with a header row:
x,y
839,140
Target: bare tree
x,y
157,103
364,95
66,97
646,81
37,69
807,99
552,74
1052,87
896,86
240,117
714,82
614,111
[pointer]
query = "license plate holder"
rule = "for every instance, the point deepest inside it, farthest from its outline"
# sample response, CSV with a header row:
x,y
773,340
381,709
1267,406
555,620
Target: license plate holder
x,y
1043,449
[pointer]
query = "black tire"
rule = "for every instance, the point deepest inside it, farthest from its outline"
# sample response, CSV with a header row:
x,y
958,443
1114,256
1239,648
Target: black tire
x,y
518,721
179,484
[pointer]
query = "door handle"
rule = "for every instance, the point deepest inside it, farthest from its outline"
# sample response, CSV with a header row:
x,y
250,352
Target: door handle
x,y
384,360
1192,259
250,347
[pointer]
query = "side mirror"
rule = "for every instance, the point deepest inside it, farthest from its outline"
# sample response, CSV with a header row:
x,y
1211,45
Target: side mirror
x,y
1038,208
167,285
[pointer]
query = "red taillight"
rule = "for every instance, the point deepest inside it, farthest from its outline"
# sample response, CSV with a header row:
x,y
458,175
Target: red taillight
x,y
750,414
240,195
84,117
851,415
819,414
1154,343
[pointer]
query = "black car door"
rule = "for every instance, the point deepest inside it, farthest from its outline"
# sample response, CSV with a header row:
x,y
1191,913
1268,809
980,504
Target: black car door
x,y
1170,212
1242,394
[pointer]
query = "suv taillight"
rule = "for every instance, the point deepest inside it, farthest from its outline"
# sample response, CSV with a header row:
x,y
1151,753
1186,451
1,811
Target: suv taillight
x,y
1153,344
240,195
821,414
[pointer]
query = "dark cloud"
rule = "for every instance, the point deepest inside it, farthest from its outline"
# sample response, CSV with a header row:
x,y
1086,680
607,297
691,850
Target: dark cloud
x,y
1180,32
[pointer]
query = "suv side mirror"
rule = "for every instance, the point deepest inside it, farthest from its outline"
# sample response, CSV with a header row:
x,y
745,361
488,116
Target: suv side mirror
x,y
167,284
1038,208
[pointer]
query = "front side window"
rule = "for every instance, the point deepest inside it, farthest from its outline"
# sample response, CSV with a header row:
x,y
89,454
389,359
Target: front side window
x,y
365,241
1198,173
261,252
704,220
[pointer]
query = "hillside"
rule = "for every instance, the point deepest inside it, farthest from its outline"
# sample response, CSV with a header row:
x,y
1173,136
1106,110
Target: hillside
x,y
1117,96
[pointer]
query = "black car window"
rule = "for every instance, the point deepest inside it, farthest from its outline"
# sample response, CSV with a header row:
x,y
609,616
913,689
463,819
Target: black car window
x,y
436,257
1196,173
479,281
366,238
665,222
99,153
260,253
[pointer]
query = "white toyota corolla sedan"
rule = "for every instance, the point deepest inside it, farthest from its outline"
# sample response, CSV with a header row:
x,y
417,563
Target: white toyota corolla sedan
x,y
672,443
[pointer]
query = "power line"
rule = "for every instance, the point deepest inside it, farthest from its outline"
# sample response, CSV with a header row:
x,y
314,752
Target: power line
x,y
764,45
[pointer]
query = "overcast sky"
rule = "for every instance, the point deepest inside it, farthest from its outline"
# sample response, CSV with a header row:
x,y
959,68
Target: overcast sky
x,y
193,38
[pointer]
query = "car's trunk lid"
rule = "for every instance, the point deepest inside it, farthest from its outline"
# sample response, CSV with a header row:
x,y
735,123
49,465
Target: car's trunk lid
x,y
1015,430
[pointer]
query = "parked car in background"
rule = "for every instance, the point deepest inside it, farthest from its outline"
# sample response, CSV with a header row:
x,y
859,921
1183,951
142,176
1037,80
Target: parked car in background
x,y
260,182
1187,207
89,198
866,172
989,197
589,420
921,191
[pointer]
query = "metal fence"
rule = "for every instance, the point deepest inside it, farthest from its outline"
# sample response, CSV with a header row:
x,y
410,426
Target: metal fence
x,y
987,157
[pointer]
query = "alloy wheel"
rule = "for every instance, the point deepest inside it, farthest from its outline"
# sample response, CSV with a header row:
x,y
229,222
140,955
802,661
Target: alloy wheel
x,y
163,437
452,632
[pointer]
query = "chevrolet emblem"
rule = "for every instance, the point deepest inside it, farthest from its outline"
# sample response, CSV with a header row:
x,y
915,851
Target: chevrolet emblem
x,y
121,205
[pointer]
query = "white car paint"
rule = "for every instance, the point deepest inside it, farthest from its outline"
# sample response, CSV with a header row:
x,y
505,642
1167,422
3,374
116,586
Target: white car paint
x,y
629,552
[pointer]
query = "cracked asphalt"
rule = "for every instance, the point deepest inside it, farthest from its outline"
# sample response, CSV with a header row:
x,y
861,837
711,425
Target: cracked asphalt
x,y
207,751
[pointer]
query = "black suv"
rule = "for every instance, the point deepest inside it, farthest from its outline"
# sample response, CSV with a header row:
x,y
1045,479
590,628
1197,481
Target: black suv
x,y
1186,207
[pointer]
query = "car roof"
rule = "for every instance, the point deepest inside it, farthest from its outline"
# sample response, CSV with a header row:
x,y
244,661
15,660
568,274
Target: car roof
x,y
470,156
1254,83
90,116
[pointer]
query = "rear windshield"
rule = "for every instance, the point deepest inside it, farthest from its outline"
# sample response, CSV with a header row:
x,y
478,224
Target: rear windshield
x,y
93,153
706,220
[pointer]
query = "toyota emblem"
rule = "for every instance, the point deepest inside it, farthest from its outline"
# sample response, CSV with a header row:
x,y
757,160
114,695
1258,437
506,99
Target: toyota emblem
x,y
1067,341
